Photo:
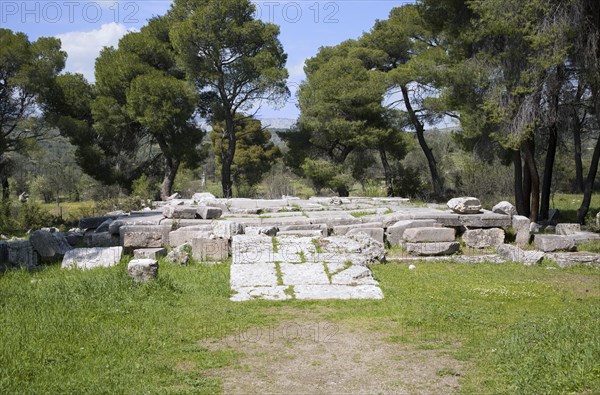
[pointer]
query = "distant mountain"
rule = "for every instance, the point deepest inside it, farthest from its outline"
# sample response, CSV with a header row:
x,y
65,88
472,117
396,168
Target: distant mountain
x,y
278,123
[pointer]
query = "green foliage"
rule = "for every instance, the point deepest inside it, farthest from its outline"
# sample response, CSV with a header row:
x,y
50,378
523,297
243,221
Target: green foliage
x,y
142,188
255,154
325,174
233,59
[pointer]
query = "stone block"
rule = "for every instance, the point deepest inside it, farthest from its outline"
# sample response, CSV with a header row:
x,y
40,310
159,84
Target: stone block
x,y
261,230
104,239
142,270
91,258
207,212
131,220
432,249
465,205
144,236
483,238
227,229
210,249
301,233
180,255
179,212
505,208
550,243
21,253
183,235
49,246
515,254
567,229
521,225
254,275
395,232
306,273
322,292
341,230
94,222
429,235
149,253
568,259
374,233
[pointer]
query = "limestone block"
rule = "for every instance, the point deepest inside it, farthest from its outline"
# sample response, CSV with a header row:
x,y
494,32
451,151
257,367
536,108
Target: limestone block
x,y
149,253
395,232
49,245
429,235
505,208
142,270
207,212
204,249
549,243
91,258
483,238
465,205
428,249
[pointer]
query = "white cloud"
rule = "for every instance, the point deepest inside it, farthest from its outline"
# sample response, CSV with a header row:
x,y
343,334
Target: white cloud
x,y
296,71
84,47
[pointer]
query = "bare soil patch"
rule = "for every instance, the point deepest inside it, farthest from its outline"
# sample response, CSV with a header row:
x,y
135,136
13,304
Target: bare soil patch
x,y
303,356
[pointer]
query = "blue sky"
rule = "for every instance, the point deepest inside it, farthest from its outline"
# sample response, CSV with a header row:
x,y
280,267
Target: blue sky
x,y
86,26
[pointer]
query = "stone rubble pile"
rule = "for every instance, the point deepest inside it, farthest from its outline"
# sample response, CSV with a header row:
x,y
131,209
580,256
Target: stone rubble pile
x,y
323,230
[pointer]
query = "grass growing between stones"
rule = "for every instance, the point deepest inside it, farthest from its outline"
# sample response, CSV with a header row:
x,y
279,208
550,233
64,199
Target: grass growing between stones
x,y
519,329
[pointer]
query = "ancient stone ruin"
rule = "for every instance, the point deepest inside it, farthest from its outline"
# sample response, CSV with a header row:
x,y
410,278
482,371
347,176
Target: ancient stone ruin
x,y
305,249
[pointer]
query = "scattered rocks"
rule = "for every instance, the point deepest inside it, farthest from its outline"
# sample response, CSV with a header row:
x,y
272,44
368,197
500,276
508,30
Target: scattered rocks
x,y
91,258
465,205
142,270
483,238
505,208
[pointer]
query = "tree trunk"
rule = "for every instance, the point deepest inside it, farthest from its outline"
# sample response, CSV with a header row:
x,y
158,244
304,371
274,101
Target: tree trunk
x,y
578,161
171,167
343,191
4,186
548,170
534,180
526,188
438,187
589,185
518,168
387,171
228,155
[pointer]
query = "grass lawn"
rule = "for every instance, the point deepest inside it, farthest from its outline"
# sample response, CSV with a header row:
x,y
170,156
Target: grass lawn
x,y
519,329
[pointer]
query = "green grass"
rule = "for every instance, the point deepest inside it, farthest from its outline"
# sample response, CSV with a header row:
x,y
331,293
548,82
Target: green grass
x,y
590,246
568,205
359,214
520,329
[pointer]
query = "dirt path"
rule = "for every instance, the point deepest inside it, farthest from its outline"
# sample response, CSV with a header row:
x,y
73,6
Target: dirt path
x,y
323,357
